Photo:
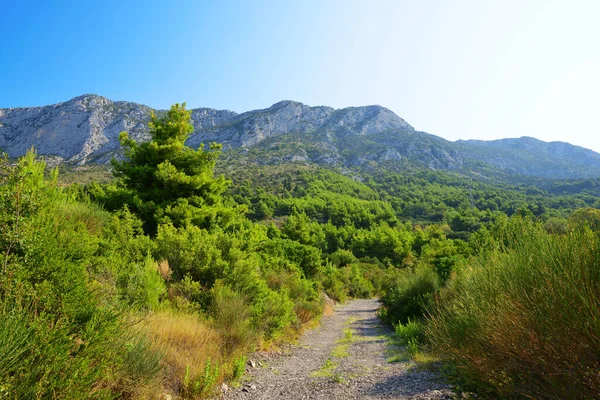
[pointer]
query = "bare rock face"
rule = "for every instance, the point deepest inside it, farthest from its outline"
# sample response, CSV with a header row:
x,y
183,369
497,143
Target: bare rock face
x,y
86,129
75,131
252,127
83,129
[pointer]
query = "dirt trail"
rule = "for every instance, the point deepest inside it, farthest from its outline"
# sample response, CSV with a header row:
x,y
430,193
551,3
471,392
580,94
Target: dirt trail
x,y
331,363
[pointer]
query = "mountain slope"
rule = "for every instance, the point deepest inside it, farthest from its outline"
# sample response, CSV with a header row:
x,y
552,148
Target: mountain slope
x,y
86,128
527,156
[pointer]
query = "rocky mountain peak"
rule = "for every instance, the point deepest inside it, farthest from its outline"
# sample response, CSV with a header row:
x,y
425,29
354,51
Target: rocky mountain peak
x,y
285,104
86,129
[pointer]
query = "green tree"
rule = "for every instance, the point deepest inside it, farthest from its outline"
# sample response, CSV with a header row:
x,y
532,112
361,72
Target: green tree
x,y
588,216
166,181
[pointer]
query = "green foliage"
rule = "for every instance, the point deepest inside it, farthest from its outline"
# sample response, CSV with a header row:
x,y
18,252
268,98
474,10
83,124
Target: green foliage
x,y
192,252
141,363
308,258
383,242
202,385
55,363
232,317
144,286
411,334
55,293
408,295
354,280
15,333
342,258
239,367
300,228
523,319
585,217
165,181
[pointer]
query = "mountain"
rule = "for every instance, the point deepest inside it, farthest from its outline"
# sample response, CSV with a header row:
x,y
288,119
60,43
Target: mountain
x,y
83,129
86,129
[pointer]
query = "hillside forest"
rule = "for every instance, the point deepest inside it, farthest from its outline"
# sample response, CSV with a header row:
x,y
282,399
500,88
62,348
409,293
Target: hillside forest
x,y
164,277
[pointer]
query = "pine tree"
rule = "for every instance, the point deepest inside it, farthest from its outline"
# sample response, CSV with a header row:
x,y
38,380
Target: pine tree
x,y
166,181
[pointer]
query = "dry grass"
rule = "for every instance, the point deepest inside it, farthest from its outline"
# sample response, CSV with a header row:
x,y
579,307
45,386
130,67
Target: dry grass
x,y
187,343
164,270
328,309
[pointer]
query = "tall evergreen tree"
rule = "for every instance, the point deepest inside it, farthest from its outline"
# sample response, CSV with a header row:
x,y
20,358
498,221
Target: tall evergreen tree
x,y
166,181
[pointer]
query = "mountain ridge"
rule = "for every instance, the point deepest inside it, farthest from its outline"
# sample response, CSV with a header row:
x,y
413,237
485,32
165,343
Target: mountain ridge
x,y
85,129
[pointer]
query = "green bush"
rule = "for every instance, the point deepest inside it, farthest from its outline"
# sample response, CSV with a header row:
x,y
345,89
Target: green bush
x,y
408,295
273,313
412,330
145,286
202,385
333,285
190,251
232,316
358,286
15,339
238,368
56,363
308,303
141,364
341,258
525,321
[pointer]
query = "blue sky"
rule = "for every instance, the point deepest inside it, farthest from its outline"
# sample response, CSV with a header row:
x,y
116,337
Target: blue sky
x,y
458,69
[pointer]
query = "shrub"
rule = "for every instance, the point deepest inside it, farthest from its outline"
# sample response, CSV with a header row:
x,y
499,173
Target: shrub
x,y
341,258
411,334
203,385
144,286
410,331
526,321
15,339
141,366
308,258
308,304
56,360
232,319
376,274
333,285
358,286
190,251
91,215
408,295
238,368
273,313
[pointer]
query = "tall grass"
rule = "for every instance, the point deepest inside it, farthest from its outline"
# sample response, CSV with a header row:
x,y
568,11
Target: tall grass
x,y
524,321
191,351
14,338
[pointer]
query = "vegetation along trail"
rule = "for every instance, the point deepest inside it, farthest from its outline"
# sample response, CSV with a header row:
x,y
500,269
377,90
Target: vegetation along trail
x,y
346,357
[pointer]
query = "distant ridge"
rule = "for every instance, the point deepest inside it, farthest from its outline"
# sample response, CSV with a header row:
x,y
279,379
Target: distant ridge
x,y
85,129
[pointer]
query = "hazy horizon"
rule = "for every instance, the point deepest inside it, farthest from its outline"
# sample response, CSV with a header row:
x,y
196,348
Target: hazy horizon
x,y
459,70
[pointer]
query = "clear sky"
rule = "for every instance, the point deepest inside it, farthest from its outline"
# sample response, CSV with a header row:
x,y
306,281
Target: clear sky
x,y
481,69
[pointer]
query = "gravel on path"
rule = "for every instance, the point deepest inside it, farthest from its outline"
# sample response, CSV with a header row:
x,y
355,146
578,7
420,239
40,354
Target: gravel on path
x,y
329,362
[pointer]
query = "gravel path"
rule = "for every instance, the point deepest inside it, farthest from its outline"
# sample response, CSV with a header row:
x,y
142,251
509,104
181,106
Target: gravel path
x,y
329,362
